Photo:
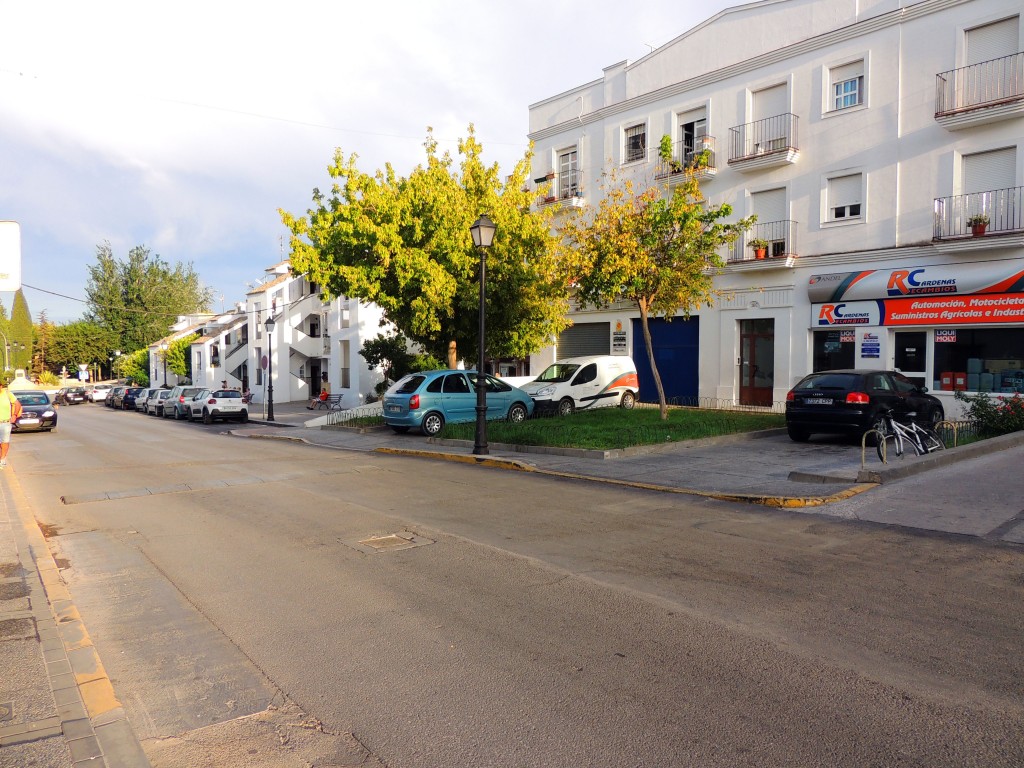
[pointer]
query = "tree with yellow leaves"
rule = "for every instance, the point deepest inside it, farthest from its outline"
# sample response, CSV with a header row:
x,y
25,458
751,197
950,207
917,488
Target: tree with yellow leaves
x,y
657,249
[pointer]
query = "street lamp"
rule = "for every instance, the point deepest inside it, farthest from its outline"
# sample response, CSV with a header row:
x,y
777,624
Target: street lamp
x,y
269,325
483,235
163,348
7,352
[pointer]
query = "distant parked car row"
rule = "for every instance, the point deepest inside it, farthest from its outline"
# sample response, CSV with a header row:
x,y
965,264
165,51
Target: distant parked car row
x,y
181,402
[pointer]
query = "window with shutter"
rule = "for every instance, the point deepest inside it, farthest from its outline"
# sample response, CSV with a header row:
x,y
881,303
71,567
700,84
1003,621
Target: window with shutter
x,y
847,85
844,197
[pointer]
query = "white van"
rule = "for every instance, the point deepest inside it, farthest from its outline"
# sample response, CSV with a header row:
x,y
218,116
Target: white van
x,y
578,383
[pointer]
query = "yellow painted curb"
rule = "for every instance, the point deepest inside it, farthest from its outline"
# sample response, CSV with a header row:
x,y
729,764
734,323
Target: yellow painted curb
x,y
462,458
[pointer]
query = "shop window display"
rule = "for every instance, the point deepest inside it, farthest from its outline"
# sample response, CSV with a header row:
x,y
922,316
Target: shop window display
x,y
834,350
979,360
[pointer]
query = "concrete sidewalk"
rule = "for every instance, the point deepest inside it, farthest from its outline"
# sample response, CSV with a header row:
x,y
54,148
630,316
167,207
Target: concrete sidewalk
x,y
764,467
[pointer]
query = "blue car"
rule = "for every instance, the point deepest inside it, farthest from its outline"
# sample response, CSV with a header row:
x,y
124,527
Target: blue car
x,y
430,399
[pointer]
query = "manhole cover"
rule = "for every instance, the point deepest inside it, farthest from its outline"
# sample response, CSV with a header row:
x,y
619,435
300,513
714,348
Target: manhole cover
x,y
392,542
6,710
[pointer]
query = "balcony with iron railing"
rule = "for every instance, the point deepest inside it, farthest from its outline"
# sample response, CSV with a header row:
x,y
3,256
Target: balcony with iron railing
x,y
697,156
981,93
766,143
960,216
566,188
780,250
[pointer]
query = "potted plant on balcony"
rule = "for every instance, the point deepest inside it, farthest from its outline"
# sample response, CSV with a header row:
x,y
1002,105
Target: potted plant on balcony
x,y
665,153
759,246
978,222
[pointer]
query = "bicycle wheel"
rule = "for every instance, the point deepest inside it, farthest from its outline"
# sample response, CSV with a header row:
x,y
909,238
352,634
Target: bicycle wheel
x,y
931,441
882,448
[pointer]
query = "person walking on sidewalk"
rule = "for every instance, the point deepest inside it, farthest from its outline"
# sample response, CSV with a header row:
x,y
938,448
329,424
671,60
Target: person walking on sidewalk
x,y
10,410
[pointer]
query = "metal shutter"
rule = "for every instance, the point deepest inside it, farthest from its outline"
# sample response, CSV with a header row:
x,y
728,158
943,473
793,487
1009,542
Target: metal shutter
x,y
769,206
770,102
987,171
992,41
585,339
844,190
847,71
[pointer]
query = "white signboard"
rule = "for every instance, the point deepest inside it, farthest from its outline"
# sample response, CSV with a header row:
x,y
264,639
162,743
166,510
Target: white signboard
x,y
10,256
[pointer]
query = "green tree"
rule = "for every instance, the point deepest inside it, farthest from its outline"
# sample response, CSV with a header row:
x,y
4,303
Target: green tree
x,y
137,299
134,366
658,250
179,356
404,244
20,333
389,353
43,335
76,343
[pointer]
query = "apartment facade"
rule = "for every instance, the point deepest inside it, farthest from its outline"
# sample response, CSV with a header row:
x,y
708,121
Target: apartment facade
x,y
867,137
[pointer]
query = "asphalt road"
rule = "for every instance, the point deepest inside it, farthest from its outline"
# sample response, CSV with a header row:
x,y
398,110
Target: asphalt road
x,y
528,621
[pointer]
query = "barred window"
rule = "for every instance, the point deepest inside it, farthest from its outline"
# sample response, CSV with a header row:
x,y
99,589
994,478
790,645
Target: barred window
x,y
636,143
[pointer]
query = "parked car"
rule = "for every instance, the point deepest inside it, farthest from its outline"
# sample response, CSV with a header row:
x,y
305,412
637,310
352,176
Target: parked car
x,y
853,401
142,397
99,392
131,397
428,400
112,396
38,413
176,404
224,404
71,396
578,383
155,402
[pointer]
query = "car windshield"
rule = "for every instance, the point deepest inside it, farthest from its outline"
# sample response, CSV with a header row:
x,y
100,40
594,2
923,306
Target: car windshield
x,y
32,398
558,372
838,381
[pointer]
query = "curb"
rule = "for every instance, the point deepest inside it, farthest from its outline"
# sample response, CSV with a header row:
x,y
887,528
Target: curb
x,y
91,718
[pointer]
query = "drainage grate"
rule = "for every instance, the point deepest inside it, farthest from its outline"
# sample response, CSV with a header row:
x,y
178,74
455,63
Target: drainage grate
x,y
392,542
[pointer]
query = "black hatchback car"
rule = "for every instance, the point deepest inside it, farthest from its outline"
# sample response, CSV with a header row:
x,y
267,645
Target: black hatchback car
x,y
852,402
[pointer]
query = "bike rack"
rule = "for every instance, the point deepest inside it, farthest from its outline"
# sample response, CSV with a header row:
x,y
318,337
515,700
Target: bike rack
x,y
951,425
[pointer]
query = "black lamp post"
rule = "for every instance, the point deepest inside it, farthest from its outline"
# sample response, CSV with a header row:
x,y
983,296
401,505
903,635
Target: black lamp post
x,y
269,325
163,348
483,235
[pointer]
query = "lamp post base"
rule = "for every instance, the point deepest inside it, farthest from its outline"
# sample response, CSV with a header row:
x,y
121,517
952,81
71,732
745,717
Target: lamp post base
x,y
480,447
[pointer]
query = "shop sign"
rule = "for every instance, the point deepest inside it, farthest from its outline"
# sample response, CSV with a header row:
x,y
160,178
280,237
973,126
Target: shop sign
x,y
847,313
960,280
981,309
619,341
870,346
945,334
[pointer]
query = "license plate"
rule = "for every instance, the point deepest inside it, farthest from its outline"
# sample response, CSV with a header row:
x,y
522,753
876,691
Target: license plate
x,y
28,421
818,401
394,409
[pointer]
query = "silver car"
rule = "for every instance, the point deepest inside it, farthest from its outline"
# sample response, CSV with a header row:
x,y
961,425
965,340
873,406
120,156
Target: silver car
x,y
177,402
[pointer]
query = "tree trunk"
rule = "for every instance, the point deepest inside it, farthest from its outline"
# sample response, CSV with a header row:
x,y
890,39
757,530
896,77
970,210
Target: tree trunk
x,y
453,355
662,405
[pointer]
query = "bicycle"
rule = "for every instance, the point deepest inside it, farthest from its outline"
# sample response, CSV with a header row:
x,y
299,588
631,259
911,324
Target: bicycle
x,y
923,440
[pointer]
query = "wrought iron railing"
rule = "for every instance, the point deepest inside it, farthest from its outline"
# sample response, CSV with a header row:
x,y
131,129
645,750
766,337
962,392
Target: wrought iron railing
x,y
687,155
780,235
987,84
1003,210
762,137
570,184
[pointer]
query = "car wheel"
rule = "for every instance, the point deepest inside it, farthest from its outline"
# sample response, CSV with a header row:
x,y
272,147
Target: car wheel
x,y
189,416
628,400
244,417
207,418
566,407
517,413
400,430
934,417
796,434
433,423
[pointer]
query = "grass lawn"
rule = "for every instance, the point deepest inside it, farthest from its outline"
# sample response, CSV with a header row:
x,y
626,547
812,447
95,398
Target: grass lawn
x,y
609,428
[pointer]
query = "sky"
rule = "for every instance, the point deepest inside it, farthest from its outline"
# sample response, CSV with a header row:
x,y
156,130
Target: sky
x,y
184,127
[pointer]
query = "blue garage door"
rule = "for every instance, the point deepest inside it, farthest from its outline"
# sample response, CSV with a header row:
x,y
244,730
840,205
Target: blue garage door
x,y
676,349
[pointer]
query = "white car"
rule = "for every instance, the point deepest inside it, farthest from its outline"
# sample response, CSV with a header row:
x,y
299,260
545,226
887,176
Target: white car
x,y
210,404
99,393
155,402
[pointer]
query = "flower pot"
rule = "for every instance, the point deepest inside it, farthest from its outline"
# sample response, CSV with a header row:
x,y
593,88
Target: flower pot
x,y
760,253
978,230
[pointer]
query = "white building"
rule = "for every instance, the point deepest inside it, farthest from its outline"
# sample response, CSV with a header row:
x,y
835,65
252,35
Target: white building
x,y
311,336
864,134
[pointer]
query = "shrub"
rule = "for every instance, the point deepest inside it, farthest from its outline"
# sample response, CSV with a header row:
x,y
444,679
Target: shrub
x,y
998,416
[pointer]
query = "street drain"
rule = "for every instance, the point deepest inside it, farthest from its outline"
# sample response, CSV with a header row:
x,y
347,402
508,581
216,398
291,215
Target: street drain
x,y
392,542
